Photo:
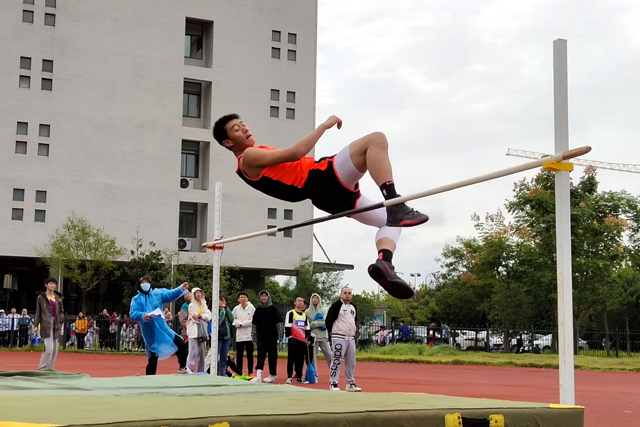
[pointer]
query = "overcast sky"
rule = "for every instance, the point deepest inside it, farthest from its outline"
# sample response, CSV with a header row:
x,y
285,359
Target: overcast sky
x,y
453,85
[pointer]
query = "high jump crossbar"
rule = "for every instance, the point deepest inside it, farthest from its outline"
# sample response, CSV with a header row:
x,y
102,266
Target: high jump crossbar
x,y
570,154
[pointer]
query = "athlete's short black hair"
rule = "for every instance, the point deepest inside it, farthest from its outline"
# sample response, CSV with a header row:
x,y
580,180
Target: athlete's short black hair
x,y
50,279
243,293
219,131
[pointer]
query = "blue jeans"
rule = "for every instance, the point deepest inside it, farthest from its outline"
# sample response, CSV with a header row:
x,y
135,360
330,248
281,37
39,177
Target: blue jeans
x,y
223,352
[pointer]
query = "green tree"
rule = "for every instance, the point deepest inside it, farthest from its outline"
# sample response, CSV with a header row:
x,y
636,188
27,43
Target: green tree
x,y
311,279
147,259
82,253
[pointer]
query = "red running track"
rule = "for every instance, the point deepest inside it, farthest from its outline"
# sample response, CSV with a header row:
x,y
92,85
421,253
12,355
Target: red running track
x,y
609,398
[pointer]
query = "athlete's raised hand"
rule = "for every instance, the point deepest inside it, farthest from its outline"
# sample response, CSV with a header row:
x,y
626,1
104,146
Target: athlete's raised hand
x,y
333,120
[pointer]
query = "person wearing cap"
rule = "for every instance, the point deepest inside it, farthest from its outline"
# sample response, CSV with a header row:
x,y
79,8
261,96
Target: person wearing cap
x,y
50,318
160,341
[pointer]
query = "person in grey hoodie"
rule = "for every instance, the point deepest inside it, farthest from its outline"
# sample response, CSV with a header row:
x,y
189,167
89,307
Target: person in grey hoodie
x,y
341,323
317,314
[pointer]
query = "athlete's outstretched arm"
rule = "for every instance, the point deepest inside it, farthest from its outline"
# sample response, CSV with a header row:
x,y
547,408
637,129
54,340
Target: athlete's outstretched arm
x,y
256,158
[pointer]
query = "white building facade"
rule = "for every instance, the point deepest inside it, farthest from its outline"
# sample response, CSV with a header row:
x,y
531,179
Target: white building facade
x,y
107,113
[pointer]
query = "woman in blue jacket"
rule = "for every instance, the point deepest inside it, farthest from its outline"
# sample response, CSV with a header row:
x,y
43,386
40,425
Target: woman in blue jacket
x,y
161,342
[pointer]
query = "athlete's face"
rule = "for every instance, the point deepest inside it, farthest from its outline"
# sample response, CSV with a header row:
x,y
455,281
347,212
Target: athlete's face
x,y
239,135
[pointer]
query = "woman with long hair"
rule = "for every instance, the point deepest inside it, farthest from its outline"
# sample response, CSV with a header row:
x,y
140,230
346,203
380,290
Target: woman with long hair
x,y
198,312
49,317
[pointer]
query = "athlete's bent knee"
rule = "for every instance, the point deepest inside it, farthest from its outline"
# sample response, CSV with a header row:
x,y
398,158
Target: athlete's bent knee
x,y
379,139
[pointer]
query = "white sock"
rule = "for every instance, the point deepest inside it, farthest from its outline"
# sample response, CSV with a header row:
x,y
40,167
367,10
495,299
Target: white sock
x,y
259,373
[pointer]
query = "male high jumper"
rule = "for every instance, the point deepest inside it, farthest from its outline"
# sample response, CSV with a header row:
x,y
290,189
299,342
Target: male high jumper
x,y
331,183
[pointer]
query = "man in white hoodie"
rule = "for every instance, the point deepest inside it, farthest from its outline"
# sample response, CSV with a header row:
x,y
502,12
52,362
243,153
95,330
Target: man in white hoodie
x,y
243,321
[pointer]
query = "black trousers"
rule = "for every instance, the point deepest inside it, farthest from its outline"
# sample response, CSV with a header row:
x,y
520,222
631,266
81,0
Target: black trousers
x,y
80,339
241,347
183,350
269,349
295,357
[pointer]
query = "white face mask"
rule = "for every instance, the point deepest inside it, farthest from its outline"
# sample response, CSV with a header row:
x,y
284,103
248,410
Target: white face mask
x,y
145,286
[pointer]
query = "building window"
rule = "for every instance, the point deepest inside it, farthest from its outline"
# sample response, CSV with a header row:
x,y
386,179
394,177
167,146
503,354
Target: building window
x,y
275,36
25,81
188,220
47,66
288,233
40,215
41,196
291,97
45,130
272,213
190,159
191,100
193,40
21,147
269,227
293,38
275,52
23,128
50,19
18,194
274,112
27,1
288,214
50,3
291,55
47,84
25,63
275,95
27,16
17,213
291,114
43,150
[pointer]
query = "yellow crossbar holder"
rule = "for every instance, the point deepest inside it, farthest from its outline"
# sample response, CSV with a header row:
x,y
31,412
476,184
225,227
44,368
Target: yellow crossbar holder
x,y
457,420
558,166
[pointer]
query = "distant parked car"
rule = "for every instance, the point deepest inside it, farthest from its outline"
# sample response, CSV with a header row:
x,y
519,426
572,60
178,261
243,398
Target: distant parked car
x,y
544,342
465,340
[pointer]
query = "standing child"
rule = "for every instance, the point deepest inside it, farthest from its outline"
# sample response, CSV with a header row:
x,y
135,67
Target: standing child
x,y
296,327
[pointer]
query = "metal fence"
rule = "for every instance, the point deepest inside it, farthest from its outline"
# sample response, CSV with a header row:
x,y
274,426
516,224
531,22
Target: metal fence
x,y
531,340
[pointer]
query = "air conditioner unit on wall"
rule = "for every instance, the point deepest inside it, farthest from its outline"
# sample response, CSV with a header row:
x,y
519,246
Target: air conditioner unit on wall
x,y
184,244
186,183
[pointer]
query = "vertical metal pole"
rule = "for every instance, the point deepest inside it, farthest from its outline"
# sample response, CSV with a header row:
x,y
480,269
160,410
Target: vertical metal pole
x,y
215,293
563,226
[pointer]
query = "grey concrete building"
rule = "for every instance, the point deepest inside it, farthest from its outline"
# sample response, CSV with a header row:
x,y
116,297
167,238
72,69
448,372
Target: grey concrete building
x,y
107,110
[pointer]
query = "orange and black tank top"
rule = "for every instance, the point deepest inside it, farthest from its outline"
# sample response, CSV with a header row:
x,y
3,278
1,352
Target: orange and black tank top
x,y
303,179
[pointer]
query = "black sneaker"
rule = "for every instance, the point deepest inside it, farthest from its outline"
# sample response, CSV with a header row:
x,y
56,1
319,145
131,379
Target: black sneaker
x,y
302,381
401,215
384,273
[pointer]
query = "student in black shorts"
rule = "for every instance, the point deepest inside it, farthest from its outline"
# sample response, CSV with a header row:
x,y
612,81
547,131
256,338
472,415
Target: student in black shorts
x,y
331,183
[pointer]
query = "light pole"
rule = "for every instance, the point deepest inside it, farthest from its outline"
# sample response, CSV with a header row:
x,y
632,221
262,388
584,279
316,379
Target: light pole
x,y
415,280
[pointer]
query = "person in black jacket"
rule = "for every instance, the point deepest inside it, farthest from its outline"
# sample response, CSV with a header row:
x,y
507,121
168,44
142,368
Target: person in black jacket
x,y
342,324
266,332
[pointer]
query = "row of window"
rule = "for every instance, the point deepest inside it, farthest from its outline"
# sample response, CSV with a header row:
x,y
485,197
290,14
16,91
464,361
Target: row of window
x,y
275,96
49,18
23,129
18,195
275,112
25,82
276,36
25,64
272,213
291,54
43,149
47,3
17,214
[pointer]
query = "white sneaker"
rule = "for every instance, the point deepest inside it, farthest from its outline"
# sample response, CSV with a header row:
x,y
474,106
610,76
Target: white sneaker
x,y
270,379
256,379
352,387
289,381
334,387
